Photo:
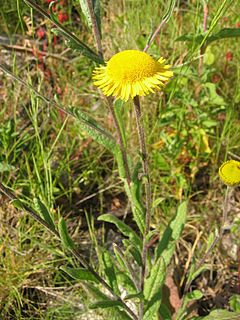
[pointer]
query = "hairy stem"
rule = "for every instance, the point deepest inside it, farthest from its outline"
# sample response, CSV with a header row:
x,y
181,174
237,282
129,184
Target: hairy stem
x,y
120,141
96,31
97,37
74,251
144,156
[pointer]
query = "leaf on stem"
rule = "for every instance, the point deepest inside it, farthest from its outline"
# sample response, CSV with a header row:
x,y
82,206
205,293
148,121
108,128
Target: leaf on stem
x,y
166,246
80,274
123,228
94,130
109,271
72,41
153,289
43,212
64,235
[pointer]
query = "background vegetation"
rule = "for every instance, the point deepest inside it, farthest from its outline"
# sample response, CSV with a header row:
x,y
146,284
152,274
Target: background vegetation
x,y
191,129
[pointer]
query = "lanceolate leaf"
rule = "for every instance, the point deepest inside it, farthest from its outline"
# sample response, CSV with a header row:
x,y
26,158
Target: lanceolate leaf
x,y
94,130
123,228
153,289
66,239
106,304
222,315
43,212
166,246
194,295
80,274
72,40
96,11
222,34
110,271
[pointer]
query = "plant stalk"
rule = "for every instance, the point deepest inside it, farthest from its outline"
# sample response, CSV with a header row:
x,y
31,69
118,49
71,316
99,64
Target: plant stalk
x,y
96,31
148,204
120,141
97,36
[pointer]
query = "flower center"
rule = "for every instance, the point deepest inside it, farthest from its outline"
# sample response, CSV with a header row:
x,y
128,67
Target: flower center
x,y
132,66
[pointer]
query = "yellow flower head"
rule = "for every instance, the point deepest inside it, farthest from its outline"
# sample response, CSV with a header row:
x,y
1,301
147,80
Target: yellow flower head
x,y
131,73
229,172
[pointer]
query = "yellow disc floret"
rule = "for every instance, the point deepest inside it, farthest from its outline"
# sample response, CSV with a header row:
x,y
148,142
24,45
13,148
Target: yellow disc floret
x,y
229,172
130,73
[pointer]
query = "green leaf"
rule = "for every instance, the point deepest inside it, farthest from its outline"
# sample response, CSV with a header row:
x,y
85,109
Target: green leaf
x,y
72,41
110,271
209,57
80,274
94,291
234,302
153,289
165,312
17,204
197,39
135,198
120,162
43,212
214,97
118,107
65,238
224,33
96,10
126,282
166,246
106,304
194,295
134,296
222,315
123,228
94,130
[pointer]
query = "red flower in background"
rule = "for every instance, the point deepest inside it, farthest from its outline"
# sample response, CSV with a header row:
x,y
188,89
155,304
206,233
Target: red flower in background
x,y
216,78
62,16
229,56
40,33
238,24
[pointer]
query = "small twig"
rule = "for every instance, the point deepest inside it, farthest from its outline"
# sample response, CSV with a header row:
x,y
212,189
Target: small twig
x,y
74,251
156,32
165,19
148,204
203,47
32,51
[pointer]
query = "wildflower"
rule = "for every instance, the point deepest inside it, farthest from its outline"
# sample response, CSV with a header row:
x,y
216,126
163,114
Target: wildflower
x,y
62,16
131,73
229,56
40,33
229,172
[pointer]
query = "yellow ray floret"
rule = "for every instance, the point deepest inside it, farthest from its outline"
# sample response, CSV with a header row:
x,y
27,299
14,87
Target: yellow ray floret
x,y
229,172
131,73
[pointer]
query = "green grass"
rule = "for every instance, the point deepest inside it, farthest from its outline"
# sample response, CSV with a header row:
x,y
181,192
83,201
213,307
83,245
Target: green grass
x,y
190,130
